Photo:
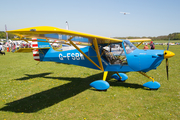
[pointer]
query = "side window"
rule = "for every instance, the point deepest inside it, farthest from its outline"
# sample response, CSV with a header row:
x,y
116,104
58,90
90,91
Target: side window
x,y
114,54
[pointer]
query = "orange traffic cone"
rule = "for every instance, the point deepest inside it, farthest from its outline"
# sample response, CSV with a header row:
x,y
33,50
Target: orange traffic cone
x,y
7,49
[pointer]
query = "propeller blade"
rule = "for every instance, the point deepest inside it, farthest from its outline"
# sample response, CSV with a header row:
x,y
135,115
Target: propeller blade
x,y
167,69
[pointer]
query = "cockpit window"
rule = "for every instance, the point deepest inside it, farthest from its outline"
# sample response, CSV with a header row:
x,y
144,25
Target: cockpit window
x,y
129,47
114,54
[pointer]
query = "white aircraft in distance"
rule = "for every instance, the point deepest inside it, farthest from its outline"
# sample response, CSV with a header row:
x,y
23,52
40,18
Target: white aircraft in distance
x,y
125,13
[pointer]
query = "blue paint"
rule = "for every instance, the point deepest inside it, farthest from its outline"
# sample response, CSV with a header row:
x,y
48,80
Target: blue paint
x,y
152,85
42,52
43,44
118,68
71,57
124,76
145,60
100,85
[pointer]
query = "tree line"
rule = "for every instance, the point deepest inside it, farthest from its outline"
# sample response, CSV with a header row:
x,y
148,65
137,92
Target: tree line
x,y
173,36
3,35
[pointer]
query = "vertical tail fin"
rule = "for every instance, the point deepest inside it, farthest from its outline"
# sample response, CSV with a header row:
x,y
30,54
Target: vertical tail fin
x,y
42,48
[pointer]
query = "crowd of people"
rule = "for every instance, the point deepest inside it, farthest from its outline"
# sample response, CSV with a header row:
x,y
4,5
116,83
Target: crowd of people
x,y
152,46
13,46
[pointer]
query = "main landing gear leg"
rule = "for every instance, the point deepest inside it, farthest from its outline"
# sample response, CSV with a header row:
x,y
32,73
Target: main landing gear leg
x,y
118,76
105,75
101,85
152,85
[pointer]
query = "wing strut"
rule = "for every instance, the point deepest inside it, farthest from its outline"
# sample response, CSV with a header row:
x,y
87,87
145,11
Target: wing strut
x,y
98,54
140,44
84,54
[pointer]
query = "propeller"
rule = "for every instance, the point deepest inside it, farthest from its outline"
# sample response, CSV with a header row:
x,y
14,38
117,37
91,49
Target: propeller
x,y
167,70
167,54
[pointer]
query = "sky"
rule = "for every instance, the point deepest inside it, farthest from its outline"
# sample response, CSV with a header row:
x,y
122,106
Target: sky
x,y
99,17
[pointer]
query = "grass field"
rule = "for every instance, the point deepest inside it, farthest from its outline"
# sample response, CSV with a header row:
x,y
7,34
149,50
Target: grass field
x,y
62,92
166,41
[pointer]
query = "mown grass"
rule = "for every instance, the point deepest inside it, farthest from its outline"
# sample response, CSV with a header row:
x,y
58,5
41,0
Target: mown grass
x,y
58,91
166,41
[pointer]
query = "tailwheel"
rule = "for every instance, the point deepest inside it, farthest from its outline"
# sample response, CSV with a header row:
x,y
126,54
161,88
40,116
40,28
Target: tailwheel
x,y
121,77
101,85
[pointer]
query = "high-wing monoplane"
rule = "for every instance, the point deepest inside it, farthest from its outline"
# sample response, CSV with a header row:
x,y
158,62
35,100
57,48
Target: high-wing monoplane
x,y
101,53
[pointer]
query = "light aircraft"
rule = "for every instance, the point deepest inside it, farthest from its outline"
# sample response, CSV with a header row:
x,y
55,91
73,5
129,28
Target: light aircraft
x,y
125,13
101,53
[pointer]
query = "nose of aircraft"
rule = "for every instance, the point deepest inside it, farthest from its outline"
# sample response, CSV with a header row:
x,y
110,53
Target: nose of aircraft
x,y
168,54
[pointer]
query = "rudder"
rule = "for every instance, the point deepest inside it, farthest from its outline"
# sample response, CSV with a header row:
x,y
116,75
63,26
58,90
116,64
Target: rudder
x,y
39,46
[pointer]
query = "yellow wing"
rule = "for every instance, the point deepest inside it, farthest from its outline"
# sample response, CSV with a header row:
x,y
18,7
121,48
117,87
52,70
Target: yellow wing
x,y
139,40
40,31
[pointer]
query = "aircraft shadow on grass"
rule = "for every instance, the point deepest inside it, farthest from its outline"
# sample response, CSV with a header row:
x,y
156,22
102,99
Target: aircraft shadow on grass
x,y
33,76
47,98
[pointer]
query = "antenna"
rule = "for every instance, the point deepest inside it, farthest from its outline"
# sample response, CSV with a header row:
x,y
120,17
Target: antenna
x,y
67,25
6,33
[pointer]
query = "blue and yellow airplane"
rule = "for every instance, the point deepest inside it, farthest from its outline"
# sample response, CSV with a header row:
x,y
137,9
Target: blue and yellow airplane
x,y
101,53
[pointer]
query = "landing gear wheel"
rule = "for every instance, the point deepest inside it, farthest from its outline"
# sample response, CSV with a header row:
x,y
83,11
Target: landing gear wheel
x,y
100,85
152,85
123,76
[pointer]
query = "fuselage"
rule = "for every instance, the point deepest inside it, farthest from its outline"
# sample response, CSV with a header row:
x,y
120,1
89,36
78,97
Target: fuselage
x,y
137,60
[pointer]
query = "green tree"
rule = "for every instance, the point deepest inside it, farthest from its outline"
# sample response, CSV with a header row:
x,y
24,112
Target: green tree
x,y
177,36
2,35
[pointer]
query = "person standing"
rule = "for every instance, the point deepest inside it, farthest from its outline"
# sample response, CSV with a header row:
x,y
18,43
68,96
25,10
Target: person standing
x,y
146,47
13,47
0,47
3,47
152,47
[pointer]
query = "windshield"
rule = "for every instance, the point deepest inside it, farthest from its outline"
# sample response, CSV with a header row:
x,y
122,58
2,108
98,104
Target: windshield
x,y
129,47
